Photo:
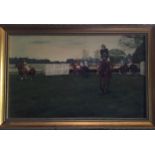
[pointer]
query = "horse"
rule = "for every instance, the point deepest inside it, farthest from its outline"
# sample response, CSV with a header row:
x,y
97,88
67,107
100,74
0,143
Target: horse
x,y
84,71
134,69
124,69
105,74
80,70
23,72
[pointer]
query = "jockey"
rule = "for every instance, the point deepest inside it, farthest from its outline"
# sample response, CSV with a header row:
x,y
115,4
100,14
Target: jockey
x,y
26,66
104,53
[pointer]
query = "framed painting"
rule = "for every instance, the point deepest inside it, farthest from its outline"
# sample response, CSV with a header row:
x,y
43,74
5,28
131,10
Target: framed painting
x,y
77,76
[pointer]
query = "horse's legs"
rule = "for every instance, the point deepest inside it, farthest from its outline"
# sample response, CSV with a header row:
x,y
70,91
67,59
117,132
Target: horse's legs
x,y
20,75
107,84
32,73
104,85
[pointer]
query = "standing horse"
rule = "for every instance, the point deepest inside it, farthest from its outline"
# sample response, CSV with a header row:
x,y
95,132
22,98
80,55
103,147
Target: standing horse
x,y
134,69
84,71
124,69
24,73
105,74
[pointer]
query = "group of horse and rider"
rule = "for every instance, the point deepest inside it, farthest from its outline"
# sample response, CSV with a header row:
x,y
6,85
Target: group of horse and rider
x,y
25,70
104,70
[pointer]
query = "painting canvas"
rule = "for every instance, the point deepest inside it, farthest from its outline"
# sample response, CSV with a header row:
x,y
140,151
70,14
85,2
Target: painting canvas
x,y
78,76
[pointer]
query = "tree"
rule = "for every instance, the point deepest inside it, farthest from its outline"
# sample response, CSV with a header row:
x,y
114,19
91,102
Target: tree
x,y
139,54
116,55
131,41
117,52
136,42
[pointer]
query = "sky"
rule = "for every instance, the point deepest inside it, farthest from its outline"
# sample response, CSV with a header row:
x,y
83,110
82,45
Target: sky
x,y
60,48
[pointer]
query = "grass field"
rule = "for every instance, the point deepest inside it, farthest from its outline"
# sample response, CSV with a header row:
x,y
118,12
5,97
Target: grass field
x,y
75,96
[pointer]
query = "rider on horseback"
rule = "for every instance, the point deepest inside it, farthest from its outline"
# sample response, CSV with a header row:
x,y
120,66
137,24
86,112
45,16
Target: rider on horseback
x,y
24,70
104,70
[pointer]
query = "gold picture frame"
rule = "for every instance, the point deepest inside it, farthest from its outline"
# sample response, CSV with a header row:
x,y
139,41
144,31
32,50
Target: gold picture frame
x,y
7,123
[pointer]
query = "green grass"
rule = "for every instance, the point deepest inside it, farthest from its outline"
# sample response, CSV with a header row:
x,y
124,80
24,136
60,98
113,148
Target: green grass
x,y
75,96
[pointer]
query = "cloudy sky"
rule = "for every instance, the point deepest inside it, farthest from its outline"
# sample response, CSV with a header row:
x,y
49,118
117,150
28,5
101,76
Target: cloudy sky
x,y
60,47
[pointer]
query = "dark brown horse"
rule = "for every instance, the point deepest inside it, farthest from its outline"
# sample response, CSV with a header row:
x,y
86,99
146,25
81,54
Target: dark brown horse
x,y
124,69
133,69
105,74
24,73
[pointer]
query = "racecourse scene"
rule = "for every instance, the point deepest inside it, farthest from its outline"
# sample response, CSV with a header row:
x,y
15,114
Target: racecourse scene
x,y
109,85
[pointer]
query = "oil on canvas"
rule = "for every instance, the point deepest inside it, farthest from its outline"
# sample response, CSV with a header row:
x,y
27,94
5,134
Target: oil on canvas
x,y
78,76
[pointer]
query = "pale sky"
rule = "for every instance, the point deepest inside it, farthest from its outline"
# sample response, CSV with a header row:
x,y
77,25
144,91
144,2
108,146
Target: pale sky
x,y
60,47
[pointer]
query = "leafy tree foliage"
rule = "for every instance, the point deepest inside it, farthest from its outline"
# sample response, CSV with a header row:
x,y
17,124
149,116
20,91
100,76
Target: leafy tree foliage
x,y
139,54
136,42
116,55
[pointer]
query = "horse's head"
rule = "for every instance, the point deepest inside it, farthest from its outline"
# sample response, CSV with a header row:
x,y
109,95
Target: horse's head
x,y
17,65
20,66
